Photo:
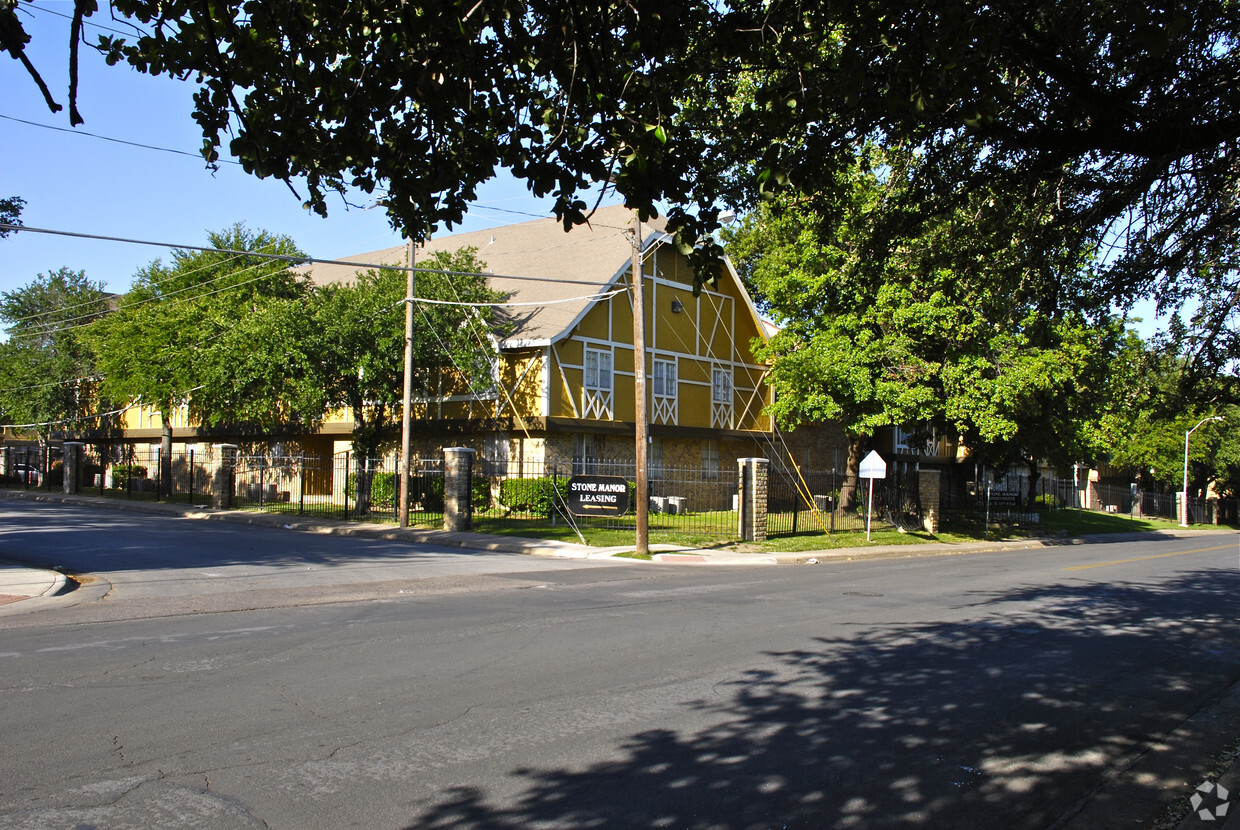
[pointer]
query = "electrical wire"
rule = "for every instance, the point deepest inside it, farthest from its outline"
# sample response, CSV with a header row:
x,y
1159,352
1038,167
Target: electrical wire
x,y
71,420
606,295
30,8
73,131
79,321
293,260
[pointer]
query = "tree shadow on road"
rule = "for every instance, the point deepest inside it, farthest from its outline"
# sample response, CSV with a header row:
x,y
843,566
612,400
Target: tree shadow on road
x,y
1007,719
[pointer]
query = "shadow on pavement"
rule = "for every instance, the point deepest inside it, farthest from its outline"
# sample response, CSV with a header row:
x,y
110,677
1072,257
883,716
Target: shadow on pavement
x,y
1007,720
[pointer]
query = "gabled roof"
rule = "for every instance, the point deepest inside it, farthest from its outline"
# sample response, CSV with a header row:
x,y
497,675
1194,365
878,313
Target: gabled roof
x,y
534,262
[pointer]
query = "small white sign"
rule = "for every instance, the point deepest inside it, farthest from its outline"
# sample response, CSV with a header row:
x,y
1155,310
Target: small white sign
x,y
873,466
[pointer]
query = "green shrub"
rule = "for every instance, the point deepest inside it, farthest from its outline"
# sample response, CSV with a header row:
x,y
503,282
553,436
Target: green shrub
x,y
382,488
1047,500
121,473
426,492
480,493
532,495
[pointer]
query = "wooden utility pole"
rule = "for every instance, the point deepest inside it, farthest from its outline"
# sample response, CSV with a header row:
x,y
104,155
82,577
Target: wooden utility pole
x,y
407,397
642,441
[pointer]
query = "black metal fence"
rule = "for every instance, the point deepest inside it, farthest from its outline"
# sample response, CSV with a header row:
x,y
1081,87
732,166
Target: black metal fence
x,y
1019,499
341,486
531,493
33,468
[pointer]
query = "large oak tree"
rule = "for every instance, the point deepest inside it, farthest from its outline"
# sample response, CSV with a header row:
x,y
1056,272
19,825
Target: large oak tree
x,y
940,333
49,381
158,346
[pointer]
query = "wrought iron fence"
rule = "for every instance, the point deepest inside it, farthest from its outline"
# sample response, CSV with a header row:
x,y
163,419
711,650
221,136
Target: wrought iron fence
x,y
1012,501
33,468
828,501
530,493
533,492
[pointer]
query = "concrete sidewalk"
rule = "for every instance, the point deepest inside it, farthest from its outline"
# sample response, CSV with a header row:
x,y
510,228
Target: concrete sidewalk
x,y
18,582
661,553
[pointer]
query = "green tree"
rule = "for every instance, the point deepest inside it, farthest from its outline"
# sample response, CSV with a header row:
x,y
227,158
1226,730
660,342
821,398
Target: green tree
x,y
929,332
49,374
1224,461
157,348
341,346
1143,433
1035,394
361,337
10,213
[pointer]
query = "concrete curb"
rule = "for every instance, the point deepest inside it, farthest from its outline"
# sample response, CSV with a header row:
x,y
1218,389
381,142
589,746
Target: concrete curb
x,y
19,579
662,554
27,588
443,538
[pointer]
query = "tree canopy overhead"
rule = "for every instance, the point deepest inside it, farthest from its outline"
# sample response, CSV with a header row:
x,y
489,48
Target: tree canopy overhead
x,y
1123,112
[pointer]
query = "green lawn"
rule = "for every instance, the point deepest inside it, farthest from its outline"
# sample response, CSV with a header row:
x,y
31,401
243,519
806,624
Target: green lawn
x,y
714,530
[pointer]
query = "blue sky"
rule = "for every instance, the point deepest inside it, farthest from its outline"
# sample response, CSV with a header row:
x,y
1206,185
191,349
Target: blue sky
x,y
74,182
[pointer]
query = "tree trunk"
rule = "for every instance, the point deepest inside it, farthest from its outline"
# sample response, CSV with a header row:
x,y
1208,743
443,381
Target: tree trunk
x,y
1034,477
165,455
363,452
856,450
361,480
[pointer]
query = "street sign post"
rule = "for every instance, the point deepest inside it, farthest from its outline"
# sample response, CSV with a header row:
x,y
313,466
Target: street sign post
x,y
872,466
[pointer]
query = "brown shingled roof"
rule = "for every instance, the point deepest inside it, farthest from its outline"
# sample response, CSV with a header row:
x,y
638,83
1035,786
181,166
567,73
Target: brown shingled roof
x,y
533,262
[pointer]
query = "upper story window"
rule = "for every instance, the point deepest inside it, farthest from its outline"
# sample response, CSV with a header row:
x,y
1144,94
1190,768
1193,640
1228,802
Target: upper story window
x,y
721,385
598,369
663,380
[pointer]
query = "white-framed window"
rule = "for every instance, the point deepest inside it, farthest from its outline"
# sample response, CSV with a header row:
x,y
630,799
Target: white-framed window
x,y
721,385
663,379
598,369
710,458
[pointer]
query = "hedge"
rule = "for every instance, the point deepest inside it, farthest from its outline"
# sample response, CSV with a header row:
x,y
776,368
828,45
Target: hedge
x,y
532,495
121,473
382,488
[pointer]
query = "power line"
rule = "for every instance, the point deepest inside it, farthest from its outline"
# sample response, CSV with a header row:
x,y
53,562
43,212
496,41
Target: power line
x,y
117,140
31,7
71,420
73,131
71,323
293,260
605,295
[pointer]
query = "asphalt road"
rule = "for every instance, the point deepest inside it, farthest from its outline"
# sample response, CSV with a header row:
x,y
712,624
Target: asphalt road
x,y
218,677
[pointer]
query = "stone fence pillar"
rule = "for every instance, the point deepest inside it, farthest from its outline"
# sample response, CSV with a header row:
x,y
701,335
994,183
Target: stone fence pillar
x,y
458,475
751,500
929,484
74,460
222,463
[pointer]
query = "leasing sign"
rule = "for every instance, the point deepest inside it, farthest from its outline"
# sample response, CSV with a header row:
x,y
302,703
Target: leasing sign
x,y
598,496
